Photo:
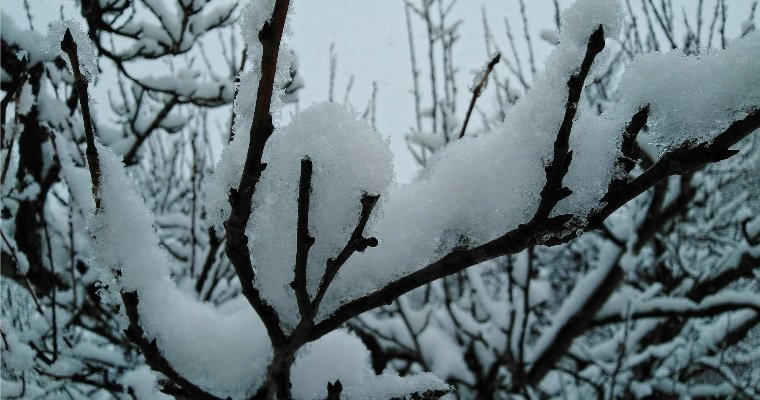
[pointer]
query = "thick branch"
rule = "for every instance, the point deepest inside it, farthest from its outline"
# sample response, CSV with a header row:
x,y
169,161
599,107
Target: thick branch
x,y
152,355
240,200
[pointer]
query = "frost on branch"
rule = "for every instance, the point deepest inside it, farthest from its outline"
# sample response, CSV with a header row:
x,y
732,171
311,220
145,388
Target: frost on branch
x,y
86,51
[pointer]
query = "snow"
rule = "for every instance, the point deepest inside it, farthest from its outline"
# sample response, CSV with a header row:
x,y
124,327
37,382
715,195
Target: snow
x,y
480,188
349,159
86,51
32,42
225,353
349,361
704,94
578,297
143,383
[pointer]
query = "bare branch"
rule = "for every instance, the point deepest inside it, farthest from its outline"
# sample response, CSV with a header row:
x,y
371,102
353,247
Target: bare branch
x,y
240,200
304,240
69,46
477,91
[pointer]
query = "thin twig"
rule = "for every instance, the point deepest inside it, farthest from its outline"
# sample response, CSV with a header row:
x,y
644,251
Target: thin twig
x,y
477,90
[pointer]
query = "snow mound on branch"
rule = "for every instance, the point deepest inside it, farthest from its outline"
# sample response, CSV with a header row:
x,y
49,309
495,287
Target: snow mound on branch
x,y
224,353
349,159
694,98
226,175
476,189
342,356
581,19
86,51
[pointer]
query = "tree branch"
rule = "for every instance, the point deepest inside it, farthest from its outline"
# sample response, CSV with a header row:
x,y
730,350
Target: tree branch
x,y
304,240
477,90
240,200
669,307
553,190
134,332
538,229
69,46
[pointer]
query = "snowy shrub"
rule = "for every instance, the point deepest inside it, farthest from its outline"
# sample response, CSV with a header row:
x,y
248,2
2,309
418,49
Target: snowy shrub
x,y
584,244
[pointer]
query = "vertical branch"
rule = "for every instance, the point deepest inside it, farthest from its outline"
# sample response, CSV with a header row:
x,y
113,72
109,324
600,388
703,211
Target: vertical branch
x,y
431,60
304,240
333,66
526,310
531,58
240,199
69,46
477,91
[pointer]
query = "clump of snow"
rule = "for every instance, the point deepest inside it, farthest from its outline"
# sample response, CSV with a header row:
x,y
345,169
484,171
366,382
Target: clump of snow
x,y
86,51
349,159
584,16
348,360
143,383
693,98
225,353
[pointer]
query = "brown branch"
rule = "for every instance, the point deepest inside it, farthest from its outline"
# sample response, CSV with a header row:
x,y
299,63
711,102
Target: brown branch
x,y
304,240
69,46
683,159
130,158
477,90
134,332
241,199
